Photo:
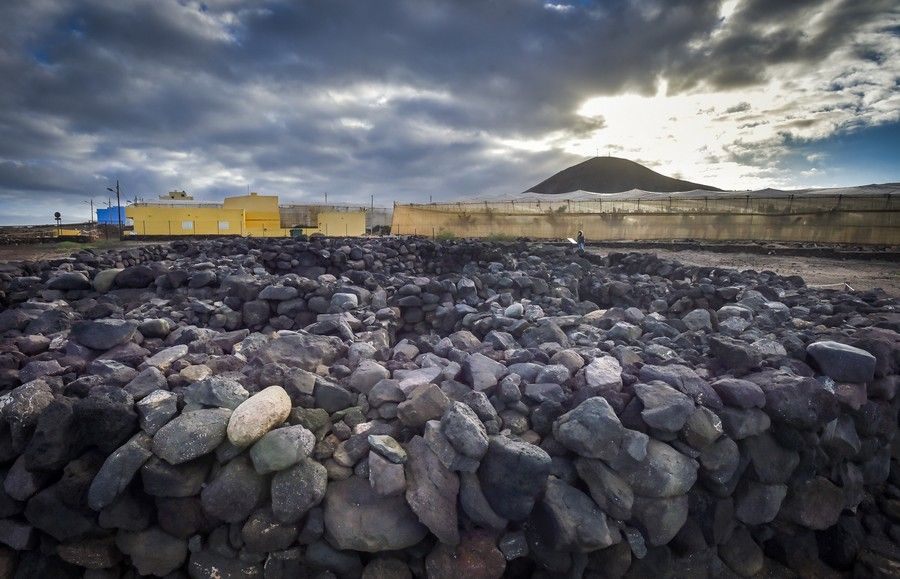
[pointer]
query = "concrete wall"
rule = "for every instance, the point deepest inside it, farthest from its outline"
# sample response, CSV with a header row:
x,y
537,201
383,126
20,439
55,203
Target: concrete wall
x,y
308,215
261,214
861,220
342,223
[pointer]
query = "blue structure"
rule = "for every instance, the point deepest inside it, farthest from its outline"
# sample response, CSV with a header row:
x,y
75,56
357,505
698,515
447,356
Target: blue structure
x,y
109,217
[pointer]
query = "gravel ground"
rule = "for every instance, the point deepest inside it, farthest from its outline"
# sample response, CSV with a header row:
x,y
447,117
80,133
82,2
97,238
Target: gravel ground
x,y
817,271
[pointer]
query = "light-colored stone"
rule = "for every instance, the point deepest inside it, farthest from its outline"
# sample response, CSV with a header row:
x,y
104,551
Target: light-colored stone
x,y
258,415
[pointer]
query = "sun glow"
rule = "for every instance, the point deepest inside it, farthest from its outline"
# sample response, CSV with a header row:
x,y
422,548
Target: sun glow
x,y
678,132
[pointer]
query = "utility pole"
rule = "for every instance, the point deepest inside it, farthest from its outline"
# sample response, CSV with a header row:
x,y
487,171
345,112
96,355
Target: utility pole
x,y
118,206
91,202
109,208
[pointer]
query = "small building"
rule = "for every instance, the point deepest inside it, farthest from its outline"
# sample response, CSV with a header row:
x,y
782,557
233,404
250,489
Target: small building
x,y
183,219
111,215
250,215
179,195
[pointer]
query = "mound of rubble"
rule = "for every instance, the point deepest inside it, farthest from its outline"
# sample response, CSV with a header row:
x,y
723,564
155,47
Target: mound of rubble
x,y
398,408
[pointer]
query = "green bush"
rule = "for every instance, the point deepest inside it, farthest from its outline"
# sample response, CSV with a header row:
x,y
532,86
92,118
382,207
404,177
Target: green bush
x,y
500,237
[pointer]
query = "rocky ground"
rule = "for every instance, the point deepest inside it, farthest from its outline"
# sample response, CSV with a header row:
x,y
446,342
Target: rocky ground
x,y
819,271
398,408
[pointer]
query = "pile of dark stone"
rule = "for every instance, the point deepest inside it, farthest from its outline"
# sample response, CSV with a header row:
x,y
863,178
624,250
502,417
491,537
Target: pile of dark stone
x,y
397,407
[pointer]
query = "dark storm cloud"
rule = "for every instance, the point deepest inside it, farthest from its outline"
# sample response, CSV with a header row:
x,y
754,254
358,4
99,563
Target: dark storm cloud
x,y
401,99
762,33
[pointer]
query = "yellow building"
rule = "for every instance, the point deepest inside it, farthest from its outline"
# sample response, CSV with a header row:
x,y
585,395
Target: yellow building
x,y
182,219
261,215
249,215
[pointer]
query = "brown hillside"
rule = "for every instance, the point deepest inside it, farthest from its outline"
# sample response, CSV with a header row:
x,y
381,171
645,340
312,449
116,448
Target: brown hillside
x,y
612,175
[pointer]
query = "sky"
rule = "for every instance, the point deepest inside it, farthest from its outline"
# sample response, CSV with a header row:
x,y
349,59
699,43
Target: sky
x,y
411,100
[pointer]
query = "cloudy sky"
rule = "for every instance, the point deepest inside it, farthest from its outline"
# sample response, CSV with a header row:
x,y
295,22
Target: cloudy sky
x,y
407,100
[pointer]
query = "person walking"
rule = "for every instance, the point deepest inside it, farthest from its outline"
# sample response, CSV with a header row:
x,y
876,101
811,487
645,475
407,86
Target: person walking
x,y
580,241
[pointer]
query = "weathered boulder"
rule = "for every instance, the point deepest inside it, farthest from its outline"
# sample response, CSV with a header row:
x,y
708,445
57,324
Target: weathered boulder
x,y
476,557
153,551
683,379
191,435
117,471
216,391
464,431
281,448
72,280
257,415
425,403
134,277
739,393
660,519
235,492
367,374
843,363
815,503
664,407
431,491
568,520
359,519
610,491
592,429
103,334
604,373
298,489
298,350
512,475
663,472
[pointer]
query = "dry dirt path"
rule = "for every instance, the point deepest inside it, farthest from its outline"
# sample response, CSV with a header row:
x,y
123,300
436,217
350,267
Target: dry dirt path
x,y
38,251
